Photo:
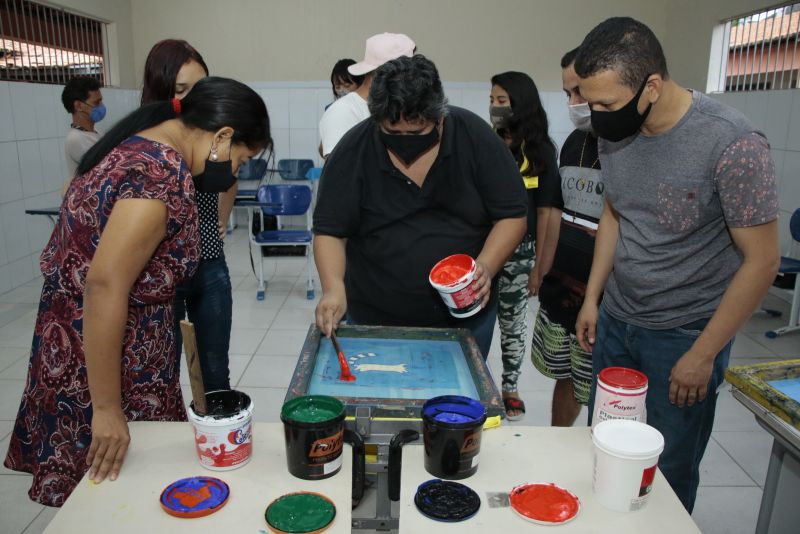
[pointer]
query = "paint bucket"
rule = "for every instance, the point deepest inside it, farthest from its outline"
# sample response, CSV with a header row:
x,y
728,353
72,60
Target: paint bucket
x,y
625,460
620,394
452,278
313,428
452,426
223,436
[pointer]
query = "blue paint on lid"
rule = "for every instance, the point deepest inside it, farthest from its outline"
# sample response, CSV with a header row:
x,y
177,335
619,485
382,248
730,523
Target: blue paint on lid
x,y
194,496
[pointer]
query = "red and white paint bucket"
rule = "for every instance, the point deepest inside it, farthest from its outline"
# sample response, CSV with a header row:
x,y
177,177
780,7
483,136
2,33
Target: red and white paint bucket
x,y
625,461
453,277
620,394
223,436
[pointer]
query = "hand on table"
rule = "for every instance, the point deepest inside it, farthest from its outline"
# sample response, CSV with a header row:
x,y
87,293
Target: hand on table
x,y
586,325
110,439
330,310
688,381
482,283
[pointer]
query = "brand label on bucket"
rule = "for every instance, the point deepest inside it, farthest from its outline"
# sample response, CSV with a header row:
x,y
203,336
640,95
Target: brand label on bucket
x,y
610,404
322,450
223,448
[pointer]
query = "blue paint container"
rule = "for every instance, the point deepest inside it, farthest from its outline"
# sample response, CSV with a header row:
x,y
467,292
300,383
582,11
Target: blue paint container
x,y
452,426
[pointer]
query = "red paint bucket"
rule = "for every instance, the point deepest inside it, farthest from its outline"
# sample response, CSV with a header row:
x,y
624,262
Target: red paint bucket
x,y
453,278
620,394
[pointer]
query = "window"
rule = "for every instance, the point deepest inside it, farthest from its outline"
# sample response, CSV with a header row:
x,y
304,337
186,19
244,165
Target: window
x,y
45,44
757,52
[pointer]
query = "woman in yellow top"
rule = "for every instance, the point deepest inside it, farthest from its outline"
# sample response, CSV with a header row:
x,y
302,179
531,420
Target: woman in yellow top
x,y
518,117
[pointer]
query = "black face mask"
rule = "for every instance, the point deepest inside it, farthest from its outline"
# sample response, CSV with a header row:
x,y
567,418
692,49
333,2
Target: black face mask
x,y
624,122
216,178
409,147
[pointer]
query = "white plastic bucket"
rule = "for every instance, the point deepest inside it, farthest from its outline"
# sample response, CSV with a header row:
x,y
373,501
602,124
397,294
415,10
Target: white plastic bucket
x,y
452,277
620,394
223,437
625,461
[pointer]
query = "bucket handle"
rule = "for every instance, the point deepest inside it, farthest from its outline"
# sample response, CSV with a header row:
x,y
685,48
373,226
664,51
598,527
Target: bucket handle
x,y
359,465
396,460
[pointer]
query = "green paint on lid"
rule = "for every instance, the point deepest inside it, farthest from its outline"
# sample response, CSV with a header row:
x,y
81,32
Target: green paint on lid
x,y
300,512
312,409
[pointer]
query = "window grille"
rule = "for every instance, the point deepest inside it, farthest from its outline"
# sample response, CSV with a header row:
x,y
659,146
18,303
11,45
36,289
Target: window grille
x,y
46,44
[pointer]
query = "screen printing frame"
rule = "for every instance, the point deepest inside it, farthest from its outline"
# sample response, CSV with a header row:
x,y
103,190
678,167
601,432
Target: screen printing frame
x,y
397,408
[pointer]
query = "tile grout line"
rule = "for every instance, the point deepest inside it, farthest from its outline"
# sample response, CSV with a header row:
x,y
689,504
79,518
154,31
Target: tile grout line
x,y
740,466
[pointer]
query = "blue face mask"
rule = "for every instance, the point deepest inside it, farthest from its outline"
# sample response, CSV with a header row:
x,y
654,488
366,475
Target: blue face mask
x,y
98,113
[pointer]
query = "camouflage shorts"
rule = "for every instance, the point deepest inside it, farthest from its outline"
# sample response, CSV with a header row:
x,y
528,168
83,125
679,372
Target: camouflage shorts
x,y
512,312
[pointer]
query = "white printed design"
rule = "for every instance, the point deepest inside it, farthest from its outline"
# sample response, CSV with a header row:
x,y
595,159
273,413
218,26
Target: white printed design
x,y
379,367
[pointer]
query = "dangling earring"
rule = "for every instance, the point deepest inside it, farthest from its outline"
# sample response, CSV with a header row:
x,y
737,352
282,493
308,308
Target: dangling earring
x,y
213,156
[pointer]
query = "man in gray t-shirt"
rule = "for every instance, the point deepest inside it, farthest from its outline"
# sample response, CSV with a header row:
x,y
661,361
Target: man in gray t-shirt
x,y
687,244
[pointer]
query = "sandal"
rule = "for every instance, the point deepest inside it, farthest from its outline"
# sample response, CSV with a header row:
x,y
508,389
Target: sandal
x,y
514,404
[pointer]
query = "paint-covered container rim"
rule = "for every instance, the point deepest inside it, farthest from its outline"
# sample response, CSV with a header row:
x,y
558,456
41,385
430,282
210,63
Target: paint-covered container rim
x,y
452,271
225,406
313,410
454,411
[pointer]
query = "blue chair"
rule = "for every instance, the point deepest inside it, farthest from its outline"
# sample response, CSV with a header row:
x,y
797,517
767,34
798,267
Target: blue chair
x,y
791,265
294,169
283,200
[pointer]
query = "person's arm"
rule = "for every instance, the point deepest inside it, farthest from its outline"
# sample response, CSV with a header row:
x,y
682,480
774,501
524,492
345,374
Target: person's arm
x,y
548,228
133,232
226,201
504,237
602,263
761,259
329,256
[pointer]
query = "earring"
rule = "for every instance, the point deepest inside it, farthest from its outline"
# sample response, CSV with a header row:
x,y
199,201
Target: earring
x,y
213,156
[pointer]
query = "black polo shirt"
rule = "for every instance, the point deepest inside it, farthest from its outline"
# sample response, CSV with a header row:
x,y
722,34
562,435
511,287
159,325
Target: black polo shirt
x,y
396,231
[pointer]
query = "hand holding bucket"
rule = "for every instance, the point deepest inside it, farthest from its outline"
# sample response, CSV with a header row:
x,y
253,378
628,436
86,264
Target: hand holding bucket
x,y
463,283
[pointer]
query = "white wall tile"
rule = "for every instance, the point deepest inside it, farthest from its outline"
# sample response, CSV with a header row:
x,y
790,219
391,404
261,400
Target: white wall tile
x,y
324,98
10,183
756,104
454,96
277,101
30,167
303,108
23,107
778,157
557,112
45,111
784,235
3,255
779,105
12,220
477,101
793,141
21,271
738,101
303,144
6,114
5,279
789,184
52,176
62,118
35,267
39,226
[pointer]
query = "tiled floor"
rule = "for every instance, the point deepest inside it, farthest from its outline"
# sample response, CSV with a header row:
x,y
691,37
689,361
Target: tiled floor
x,y
267,337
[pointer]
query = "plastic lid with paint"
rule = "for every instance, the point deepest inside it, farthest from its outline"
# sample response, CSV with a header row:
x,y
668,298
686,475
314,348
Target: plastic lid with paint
x,y
302,512
446,501
628,439
194,497
544,503
623,378
313,409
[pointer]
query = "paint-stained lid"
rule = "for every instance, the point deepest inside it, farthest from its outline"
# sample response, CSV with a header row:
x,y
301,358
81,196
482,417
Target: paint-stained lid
x,y
300,512
194,497
447,501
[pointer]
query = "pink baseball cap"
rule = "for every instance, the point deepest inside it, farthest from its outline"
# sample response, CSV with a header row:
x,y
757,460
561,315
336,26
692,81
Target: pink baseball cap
x,y
382,48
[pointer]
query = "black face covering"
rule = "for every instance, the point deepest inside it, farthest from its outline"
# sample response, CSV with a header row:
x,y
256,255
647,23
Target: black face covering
x,y
409,147
624,122
216,178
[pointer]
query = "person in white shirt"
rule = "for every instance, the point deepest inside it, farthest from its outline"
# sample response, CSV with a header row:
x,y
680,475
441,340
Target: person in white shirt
x,y
82,98
352,108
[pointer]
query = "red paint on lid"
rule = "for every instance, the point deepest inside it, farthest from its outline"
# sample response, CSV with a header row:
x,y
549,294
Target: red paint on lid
x,y
622,377
452,269
546,503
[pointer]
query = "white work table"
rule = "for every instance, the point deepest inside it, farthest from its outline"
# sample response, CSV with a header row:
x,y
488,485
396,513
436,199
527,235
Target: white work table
x,y
161,453
513,455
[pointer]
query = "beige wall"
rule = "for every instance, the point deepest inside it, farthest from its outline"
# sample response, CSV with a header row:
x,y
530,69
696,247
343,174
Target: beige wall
x,y
299,40
690,24
118,13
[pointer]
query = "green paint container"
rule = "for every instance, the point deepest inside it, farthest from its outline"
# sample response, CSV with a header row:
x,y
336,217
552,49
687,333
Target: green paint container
x,y
314,434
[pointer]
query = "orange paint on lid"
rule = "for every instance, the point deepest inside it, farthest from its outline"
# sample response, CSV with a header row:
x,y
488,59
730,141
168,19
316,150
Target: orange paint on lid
x,y
544,503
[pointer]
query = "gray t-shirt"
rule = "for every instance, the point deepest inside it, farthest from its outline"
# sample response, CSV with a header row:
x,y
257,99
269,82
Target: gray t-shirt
x,y
75,146
677,194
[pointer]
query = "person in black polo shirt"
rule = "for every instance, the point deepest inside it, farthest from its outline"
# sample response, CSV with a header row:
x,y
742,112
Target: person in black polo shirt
x,y
416,182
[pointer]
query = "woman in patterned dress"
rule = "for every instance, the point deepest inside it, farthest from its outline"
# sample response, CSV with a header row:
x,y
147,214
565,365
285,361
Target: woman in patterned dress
x,y
103,347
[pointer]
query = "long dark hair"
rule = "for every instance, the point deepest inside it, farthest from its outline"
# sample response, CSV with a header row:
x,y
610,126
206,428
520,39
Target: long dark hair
x,y
212,104
161,68
528,124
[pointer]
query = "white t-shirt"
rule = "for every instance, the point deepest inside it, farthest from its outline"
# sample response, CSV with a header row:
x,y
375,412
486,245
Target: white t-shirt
x,y
75,146
342,115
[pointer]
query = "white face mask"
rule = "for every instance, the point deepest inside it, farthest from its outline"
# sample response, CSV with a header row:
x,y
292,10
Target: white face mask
x,y
581,116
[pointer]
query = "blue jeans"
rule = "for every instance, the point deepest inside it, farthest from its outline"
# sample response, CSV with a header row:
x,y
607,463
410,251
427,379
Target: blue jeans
x,y
654,352
207,299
